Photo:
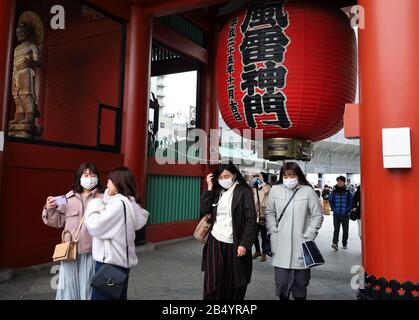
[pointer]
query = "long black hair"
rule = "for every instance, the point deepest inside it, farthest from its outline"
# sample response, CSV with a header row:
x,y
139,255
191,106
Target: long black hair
x,y
76,186
293,167
231,168
265,177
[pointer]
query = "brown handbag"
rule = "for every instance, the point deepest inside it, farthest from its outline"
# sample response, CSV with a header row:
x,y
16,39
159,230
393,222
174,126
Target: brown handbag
x,y
262,216
67,250
202,229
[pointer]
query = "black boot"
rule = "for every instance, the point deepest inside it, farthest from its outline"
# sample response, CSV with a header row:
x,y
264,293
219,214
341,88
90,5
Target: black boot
x,y
283,297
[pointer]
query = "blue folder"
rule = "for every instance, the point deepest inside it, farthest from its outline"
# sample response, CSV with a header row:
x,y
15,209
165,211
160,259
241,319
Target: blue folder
x,y
311,254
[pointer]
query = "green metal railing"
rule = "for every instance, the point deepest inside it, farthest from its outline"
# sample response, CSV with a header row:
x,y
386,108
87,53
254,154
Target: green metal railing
x,y
172,199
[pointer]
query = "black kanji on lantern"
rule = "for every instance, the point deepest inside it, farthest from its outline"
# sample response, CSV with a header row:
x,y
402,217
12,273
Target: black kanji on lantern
x,y
272,77
249,77
252,106
230,69
264,44
267,14
267,78
275,103
263,48
268,104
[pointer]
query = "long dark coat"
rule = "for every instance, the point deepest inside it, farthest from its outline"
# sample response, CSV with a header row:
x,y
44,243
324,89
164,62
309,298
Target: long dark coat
x,y
244,228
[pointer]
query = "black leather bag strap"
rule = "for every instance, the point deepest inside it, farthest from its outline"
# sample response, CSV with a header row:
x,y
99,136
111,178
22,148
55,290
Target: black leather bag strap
x,y
126,232
257,195
285,208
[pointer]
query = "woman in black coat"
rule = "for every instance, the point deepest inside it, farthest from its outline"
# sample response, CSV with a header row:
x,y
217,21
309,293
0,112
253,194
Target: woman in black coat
x,y
356,210
227,254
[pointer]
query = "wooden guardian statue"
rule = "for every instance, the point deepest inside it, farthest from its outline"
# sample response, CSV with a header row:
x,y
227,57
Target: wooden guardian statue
x,y
27,57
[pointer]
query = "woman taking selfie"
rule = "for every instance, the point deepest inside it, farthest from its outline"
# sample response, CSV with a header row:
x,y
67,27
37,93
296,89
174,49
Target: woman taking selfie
x,y
75,276
227,254
293,214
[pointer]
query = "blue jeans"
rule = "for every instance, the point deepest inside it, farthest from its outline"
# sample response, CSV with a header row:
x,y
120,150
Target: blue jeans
x,y
96,295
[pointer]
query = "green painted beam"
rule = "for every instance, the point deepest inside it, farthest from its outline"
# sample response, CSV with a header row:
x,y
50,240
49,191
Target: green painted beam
x,y
172,199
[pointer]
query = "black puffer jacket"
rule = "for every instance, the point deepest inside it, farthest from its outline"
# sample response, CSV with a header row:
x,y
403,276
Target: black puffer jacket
x,y
356,204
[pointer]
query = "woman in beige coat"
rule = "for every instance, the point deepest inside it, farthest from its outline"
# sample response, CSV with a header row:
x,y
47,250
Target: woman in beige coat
x,y
75,276
261,188
301,221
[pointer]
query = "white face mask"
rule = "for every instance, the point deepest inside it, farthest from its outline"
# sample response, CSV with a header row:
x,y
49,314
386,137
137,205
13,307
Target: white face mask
x,y
88,183
226,183
290,183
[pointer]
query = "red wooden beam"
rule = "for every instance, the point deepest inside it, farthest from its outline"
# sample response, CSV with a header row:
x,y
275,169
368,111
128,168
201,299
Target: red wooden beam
x,y
45,158
169,231
389,99
199,18
119,9
173,7
135,118
351,121
179,43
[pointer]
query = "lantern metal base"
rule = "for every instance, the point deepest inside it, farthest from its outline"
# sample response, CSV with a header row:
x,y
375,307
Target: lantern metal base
x,y
287,148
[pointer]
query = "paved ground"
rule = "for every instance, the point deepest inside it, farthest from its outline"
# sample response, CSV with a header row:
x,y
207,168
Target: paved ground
x,y
172,272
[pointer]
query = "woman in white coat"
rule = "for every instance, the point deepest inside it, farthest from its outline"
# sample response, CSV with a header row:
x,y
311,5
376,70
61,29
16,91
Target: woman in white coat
x,y
300,221
105,221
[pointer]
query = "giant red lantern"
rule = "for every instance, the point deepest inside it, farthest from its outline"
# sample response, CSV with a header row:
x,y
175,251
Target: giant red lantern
x,y
287,68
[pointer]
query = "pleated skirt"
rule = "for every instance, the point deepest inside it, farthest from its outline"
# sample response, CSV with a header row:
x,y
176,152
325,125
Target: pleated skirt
x,y
219,272
75,278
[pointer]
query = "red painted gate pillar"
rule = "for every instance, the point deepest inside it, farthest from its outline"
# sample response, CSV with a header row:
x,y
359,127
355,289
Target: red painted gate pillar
x,y
388,52
135,117
209,109
7,17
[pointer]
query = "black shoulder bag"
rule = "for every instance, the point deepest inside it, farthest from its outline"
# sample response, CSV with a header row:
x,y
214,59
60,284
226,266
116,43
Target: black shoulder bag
x,y
109,279
285,208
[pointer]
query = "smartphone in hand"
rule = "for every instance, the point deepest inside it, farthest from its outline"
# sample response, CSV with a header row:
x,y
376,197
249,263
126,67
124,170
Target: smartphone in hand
x,y
60,200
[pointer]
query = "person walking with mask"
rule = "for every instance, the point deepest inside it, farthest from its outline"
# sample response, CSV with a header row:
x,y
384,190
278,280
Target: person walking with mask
x,y
261,188
227,254
325,196
356,209
75,276
341,204
293,215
